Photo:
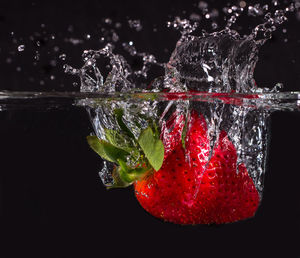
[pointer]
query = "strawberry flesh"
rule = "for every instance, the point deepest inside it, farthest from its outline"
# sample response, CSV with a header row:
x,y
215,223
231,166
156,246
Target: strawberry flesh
x,y
191,189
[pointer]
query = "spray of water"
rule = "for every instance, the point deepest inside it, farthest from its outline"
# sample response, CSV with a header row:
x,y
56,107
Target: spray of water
x,y
221,61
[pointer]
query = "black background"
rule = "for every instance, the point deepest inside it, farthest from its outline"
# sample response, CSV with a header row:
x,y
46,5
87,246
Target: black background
x,y
52,201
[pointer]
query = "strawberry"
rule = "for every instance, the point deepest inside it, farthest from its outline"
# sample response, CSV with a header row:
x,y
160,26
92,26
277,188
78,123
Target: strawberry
x,y
174,177
171,131
198,191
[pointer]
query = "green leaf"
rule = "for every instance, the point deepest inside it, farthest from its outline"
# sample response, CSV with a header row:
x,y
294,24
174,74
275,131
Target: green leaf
x,y
152,147
106,150
119,116
119,140
118,182
128,174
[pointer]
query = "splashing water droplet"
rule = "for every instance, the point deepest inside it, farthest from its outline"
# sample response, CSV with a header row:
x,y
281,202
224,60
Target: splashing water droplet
x,y
135,24
21,48
63,57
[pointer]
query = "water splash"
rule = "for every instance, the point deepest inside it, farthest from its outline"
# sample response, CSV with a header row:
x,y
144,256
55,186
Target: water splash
x,y
217,62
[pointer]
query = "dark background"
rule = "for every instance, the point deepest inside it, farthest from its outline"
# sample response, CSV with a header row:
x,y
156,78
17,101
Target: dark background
x,y
52,202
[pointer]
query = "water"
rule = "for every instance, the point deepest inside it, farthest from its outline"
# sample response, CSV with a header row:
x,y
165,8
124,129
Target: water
x,y
212,73
281,101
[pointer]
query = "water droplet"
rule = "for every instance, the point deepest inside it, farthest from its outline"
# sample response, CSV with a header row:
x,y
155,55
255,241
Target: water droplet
x,y
21,48
74,41
19,69
214,25
195,17
70,28
52,77
135,24
275,2
108,21
53,63
37,56
115,37
88,36
242,4
202,5
62,57
118,25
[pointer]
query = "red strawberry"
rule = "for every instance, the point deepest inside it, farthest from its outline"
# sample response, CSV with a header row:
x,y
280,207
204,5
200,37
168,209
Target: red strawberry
x,y
166,193
195,191
183,185
171,131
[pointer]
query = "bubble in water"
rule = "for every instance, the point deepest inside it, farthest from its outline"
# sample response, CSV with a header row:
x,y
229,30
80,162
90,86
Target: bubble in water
x,y
105,174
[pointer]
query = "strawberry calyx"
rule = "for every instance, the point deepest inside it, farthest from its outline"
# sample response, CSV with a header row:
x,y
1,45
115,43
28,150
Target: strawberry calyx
x,y
133,157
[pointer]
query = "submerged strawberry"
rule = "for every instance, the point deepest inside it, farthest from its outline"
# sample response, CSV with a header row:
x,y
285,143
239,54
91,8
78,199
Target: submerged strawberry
x,y
191,189
175,178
